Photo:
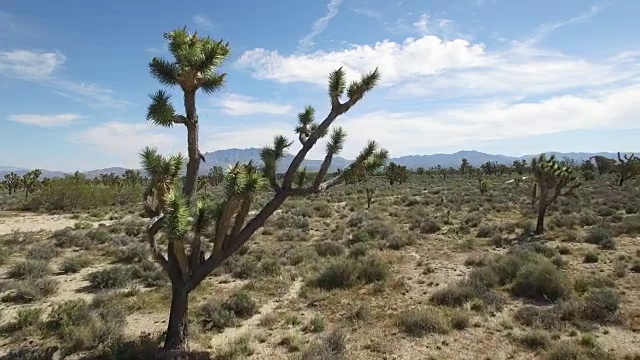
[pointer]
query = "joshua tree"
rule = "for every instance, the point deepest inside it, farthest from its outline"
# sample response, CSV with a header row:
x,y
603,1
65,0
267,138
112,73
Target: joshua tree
x,y
603,164
396,173
368,161
551,179
482,185
29,180
464,166
191,256
132,177
12,181
520,166
627,167
215,175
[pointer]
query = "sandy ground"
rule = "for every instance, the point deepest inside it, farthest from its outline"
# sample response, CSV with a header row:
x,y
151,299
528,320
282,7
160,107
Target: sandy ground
x,y
11,221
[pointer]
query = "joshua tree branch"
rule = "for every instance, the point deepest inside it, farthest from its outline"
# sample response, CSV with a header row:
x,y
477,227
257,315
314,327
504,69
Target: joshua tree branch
x,y
152,231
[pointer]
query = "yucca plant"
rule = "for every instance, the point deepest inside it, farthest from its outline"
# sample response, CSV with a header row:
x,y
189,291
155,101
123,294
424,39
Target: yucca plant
x,y
12,182
628,166
202,233
551,178
29,181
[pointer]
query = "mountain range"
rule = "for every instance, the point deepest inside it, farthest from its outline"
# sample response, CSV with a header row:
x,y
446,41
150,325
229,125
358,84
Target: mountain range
x,y
228,157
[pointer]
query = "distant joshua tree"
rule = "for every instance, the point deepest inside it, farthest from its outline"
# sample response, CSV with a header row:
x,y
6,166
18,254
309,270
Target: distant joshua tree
x,y
551,179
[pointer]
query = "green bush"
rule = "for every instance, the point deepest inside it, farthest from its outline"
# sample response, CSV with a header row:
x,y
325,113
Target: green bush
x,y
29,269
541,281
74,264
424,321
113,277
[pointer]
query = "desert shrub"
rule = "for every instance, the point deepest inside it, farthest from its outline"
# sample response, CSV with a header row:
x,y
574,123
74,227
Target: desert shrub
x,y
29,269
32,289
27,317
81,327
592,281
486,231
329,248
269,266
358,250
570,350
241,304
466,291
67,238
424,321
332,346
601,237
377,229
541,281
242,267
148,273
600,305
98,236
44,252
635,267
429,226
591,257
359,236
30,352
535,339
349,272
316,324
66,194
73,264
398,241
113,277
133,253
292,235
213,316
237,348
460,319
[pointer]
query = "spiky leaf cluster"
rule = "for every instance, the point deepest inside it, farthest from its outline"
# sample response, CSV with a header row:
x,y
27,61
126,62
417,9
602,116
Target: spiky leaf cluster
x,y
194,66
242,180
163,173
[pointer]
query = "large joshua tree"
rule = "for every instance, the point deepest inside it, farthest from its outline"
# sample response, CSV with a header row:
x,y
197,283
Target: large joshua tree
x,y
552,180
29,181
190,254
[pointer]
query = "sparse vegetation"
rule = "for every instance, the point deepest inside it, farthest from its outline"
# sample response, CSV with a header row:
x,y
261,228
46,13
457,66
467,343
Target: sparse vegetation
x,y
256,262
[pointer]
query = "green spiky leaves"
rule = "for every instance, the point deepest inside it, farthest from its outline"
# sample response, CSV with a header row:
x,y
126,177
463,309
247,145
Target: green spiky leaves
x,y
195,60
337,85
336,141
177,219
372,157
271,155
158,167
242,180
160,112
164,71
358,88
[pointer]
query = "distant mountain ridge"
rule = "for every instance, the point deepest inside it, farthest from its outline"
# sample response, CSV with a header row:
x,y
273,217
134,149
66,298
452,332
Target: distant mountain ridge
x,y
228,157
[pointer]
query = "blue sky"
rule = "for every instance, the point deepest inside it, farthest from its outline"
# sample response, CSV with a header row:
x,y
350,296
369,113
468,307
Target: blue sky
x,y
510,77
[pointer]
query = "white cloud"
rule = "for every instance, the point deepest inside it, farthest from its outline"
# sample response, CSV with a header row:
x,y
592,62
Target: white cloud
x,y
430,66
41,68
127,139
30,64
467,126
47,120
239,105
546,29
320,25
202,21
367,12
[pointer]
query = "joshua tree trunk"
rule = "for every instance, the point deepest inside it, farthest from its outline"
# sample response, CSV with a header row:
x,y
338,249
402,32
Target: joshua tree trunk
x,y
542,210
192,143
369,197
177,330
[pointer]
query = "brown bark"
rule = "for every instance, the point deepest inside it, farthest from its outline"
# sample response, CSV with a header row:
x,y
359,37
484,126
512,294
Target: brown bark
x,y
192,143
